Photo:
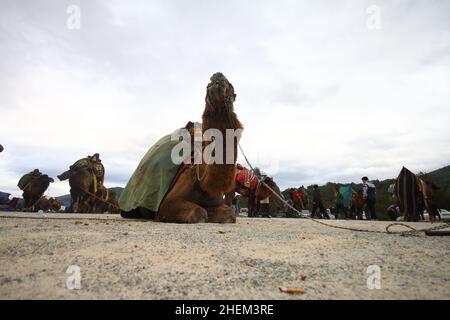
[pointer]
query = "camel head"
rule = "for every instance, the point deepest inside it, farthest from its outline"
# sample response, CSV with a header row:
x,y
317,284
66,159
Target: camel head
x,y
269,181
220,93
47,178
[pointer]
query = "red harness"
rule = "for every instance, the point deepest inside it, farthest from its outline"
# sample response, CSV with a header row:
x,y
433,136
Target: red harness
x,y
247,179
298,194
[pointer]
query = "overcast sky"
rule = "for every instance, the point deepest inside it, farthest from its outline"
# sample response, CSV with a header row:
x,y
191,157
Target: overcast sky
x,y
326,90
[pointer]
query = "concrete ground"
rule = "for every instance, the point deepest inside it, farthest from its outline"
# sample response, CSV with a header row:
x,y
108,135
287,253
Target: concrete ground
x,y
252,259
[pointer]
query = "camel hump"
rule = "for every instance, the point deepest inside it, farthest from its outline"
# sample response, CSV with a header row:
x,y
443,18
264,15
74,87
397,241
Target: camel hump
x,y
97,167
24,181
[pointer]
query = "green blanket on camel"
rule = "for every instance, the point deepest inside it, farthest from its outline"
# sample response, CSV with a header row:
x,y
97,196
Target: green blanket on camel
x,y
152,178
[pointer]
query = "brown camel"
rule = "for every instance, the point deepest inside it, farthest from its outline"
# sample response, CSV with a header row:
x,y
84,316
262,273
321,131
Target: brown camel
x,y
80,181
51,204
299,199
197,195
255,191
34,190
356,208
99,203
42,204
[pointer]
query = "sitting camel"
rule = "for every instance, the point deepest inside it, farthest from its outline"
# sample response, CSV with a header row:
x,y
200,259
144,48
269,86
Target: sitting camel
x,y
34,190
196,192
50,204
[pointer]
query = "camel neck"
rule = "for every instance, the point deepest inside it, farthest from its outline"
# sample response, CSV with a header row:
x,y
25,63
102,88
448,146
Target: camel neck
x,y
218,178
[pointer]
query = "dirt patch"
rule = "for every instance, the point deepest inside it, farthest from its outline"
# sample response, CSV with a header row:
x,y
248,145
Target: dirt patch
x,y
251,259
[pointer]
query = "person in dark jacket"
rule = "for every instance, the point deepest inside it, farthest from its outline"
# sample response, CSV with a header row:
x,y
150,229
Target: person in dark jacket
x,y
318,209
370,198
339,203
235,205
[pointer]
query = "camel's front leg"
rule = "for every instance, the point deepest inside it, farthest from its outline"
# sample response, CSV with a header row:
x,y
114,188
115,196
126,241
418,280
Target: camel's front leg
x,y
221,214
181,211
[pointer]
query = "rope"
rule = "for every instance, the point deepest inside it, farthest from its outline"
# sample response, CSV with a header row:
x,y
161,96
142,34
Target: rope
x,y
98,198
387,231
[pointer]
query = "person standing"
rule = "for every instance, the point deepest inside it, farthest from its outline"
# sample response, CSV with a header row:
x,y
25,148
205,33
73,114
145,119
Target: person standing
x,y
434,212
339,203
235,205
265,207
369,195
318,208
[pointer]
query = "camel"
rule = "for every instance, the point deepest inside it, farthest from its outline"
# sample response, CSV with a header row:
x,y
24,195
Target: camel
x,y
179,191
197,195
85,179
99,203
255,191
428,194
80,181
415,195
51,204
34,190
299,200
356,208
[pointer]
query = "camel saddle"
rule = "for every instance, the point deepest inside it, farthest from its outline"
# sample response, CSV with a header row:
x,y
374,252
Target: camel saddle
x,y
153,178
26,179
97,167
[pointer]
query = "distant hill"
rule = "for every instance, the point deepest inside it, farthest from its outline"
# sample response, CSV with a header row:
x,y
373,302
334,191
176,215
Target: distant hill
x,y
115,192
440,177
